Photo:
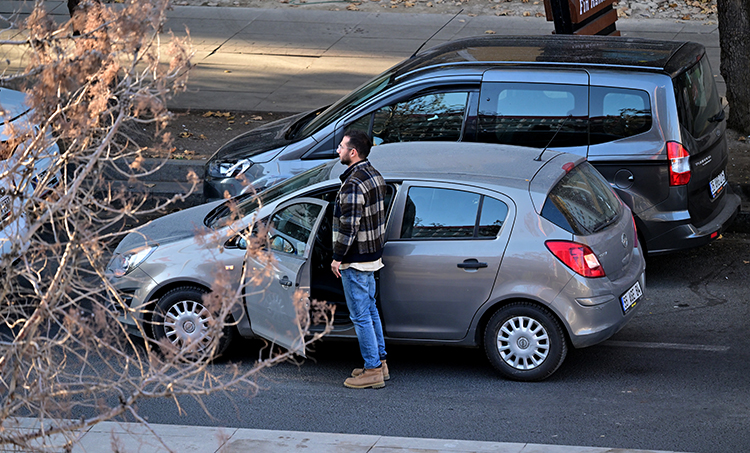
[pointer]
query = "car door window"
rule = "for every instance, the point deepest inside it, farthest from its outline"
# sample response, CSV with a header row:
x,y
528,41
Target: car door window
x,y
291,227
434,213
435,116
531,114
618,113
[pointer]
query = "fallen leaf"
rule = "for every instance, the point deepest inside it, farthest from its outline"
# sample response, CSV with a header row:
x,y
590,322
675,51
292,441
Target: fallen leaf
x,y
489,32
256,118
227,71
186,134
201,137
352,8
526,14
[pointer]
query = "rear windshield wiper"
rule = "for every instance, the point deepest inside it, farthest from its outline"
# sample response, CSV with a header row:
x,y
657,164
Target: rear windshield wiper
x,y
718,117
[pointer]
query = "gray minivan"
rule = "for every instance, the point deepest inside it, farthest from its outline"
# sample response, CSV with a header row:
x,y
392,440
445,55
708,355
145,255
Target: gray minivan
x,y
645,113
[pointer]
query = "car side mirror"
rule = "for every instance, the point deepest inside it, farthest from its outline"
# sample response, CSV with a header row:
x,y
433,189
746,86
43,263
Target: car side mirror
x,y
281,244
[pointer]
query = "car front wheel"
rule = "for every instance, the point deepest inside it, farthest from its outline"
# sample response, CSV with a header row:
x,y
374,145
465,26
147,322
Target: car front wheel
x,y
525,342
182,322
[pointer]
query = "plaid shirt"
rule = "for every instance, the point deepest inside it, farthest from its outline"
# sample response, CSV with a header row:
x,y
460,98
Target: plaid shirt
x,y
359,215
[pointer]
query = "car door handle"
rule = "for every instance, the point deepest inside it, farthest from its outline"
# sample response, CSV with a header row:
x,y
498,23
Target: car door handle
x,y
471,263
285,282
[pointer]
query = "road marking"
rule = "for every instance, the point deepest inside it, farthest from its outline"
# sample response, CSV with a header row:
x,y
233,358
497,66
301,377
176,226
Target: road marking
x,y
685,347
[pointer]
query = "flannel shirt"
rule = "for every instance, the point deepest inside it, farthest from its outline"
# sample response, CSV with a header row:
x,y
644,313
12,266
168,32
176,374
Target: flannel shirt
x,y
359,215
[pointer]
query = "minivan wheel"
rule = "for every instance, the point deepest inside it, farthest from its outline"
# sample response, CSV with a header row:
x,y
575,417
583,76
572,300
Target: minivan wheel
x,y
525,342
182,319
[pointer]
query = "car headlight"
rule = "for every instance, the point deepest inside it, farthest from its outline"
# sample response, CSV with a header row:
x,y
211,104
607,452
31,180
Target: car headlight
x,y
125,263
223,169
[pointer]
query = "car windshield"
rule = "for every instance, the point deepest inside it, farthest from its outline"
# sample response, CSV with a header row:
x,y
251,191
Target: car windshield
x,y
585,200
246,204
346,104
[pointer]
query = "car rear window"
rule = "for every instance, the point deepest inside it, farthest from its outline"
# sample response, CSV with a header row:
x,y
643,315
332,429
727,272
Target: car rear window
x,y
697,99
582,202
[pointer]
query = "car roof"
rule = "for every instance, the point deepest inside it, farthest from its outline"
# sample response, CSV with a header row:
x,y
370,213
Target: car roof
x,y
671,57
480,163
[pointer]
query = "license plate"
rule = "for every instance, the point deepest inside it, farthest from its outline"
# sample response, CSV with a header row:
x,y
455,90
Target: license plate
x,y
631,297
717,184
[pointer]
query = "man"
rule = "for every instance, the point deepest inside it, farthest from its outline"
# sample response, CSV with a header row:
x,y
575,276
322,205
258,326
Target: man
x,y
358,238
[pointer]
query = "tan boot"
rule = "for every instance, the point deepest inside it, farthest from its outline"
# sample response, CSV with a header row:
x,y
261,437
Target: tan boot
x,y
386,375
372,377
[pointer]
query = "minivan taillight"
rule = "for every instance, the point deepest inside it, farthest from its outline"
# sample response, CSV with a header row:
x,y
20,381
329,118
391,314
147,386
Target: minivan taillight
x,y
679,164
635,235
580,258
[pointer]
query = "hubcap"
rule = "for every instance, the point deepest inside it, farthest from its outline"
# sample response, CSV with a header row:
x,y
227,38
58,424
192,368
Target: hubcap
x,y
186,323
523,343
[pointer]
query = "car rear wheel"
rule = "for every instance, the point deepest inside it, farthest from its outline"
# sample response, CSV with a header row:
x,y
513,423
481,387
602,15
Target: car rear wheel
x,y
181,321
525,342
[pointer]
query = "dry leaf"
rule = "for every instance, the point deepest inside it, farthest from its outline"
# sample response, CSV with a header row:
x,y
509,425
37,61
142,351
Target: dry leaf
x,y
526,14
186,134
201,137
352,7
489,32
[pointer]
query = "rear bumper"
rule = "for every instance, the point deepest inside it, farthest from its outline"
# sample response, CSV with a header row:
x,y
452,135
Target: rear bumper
x,y
675,235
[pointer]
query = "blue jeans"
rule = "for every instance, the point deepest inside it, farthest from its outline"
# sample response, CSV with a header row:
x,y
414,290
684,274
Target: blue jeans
x,y
359,289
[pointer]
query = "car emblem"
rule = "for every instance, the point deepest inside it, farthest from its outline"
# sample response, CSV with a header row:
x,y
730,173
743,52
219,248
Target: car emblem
x,y
624,240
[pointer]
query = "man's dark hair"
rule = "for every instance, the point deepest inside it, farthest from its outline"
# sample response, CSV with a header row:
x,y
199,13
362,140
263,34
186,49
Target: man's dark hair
x,y
359,141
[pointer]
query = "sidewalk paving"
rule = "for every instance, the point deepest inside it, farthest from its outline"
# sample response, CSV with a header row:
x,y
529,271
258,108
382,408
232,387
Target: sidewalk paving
x,y
132,438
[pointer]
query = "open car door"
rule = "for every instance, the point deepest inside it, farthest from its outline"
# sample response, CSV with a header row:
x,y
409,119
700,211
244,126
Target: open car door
x,y
270,293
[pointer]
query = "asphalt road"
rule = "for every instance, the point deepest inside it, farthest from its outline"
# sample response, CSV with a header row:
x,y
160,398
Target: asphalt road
x,y
675,378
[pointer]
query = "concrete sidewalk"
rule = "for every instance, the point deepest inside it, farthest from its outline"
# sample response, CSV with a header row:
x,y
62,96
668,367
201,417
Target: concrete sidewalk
x,y
133,437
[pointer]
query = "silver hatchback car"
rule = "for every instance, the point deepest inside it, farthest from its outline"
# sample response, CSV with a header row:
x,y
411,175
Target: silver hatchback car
x,y
524,252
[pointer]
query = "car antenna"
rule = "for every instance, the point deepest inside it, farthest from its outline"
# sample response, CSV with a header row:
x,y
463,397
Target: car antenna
x,y
433,35
539,157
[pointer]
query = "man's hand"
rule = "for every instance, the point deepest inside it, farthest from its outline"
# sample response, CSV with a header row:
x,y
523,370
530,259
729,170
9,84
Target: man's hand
x,y
335,268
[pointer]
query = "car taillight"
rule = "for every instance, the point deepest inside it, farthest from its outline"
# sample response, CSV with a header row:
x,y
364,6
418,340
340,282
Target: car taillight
x,y
635,235
679,164
580,258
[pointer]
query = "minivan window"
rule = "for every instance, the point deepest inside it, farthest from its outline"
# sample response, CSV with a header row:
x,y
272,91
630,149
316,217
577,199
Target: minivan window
x,y
435,116
433,213
582,202
530,114
618,113
697,99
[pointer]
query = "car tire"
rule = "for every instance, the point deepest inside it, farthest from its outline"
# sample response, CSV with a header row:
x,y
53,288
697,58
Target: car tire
x,y
180,318
525,342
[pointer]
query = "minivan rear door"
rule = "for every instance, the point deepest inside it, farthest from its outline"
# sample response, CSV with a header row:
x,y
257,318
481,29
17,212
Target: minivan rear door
x,y
535,107
703,136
